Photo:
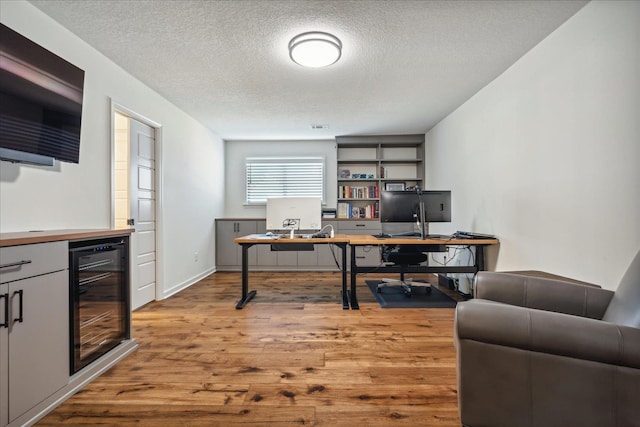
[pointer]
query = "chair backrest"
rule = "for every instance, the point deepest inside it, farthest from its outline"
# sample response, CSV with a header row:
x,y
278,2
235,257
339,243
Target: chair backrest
x,y
624,308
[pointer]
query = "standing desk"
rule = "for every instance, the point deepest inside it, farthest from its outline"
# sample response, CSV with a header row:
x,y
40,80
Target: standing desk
x,y
340,240
435,245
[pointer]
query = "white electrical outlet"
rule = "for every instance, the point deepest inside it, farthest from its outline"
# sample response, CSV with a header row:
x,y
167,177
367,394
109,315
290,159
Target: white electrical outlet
x,y
195,256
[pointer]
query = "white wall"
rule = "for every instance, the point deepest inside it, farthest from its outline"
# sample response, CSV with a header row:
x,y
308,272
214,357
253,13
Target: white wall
x,y
547,156
237,151
78,196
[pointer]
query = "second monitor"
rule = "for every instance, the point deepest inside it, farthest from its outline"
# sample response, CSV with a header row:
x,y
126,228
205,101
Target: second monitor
x,y
416,207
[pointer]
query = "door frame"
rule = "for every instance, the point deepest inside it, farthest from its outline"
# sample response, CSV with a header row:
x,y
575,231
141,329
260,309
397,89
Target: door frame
x,y
119,108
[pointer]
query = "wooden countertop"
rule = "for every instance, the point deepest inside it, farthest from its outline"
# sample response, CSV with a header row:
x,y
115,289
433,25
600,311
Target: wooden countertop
x,y
43,236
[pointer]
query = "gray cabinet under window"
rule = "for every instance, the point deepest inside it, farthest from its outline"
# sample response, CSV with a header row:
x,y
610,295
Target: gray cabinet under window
x,y
263,257
229,254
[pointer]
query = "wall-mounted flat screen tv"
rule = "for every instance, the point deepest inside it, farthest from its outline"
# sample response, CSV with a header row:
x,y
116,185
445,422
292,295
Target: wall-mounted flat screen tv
x,y
40,102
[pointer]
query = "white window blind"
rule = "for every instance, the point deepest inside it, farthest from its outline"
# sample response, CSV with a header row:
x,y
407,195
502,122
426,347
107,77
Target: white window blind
x,y
284,177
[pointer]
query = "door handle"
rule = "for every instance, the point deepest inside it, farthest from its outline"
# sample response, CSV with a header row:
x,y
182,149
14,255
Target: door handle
x,y
131,221
20,293
5,324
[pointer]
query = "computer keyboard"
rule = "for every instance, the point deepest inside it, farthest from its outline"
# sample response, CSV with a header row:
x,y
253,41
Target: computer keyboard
x,y
470,235
381,236
410,236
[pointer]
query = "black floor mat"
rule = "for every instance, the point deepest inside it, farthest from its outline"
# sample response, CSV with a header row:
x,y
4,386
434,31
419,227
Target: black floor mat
x,y
395,297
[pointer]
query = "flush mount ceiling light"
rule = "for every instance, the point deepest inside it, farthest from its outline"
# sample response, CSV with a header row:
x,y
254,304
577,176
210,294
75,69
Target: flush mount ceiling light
x,y
315,49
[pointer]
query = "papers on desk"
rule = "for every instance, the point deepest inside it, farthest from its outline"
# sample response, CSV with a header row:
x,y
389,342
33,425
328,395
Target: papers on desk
x,y
264,236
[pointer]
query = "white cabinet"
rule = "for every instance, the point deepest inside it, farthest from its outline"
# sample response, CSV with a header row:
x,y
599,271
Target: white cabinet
x,y
34,343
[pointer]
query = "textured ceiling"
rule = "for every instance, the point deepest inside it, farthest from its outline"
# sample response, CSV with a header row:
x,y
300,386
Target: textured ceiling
x,y
405,64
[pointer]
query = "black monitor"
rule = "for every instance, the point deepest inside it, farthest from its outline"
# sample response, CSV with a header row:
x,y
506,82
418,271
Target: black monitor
x,y
405,207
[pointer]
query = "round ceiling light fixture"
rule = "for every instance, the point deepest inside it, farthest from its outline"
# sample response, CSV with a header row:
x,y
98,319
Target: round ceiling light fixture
x,y
315,49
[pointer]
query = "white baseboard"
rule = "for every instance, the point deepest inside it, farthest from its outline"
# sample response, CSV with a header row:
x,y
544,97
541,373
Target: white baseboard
x,y
181,286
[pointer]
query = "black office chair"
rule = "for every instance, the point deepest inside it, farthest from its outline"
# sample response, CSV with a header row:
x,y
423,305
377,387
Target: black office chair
x,y
403,256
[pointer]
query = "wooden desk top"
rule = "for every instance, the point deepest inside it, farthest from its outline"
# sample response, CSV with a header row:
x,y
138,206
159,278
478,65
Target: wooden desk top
x,y
367,239
339,238
43,236
363,240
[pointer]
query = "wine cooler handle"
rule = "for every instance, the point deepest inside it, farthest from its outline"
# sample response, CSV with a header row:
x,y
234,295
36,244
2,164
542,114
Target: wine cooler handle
x,y
19,318
5,324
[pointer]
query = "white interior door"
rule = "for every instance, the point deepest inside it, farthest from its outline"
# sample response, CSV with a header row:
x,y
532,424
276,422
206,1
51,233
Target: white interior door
x,y
135,199
142,199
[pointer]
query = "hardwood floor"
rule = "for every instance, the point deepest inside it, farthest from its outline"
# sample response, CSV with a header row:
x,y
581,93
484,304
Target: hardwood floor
x,y
292,356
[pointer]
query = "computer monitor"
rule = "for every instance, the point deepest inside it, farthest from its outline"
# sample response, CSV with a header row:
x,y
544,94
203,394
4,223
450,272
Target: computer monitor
x,y
294,213
421,207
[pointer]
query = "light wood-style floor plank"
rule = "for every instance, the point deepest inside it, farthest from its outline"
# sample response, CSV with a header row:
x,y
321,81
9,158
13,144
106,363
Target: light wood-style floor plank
x,y
292,356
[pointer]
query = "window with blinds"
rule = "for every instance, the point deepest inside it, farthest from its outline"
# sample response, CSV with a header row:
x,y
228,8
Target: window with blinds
x,y
284,177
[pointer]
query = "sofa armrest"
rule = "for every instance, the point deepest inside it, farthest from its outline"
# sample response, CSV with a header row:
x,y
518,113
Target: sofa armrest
x,y
548,332
543,294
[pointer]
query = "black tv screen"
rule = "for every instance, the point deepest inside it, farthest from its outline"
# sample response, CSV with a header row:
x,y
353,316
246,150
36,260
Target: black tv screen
x,y
40,102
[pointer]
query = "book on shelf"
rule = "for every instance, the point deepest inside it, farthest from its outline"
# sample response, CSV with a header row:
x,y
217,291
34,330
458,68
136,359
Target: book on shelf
x,y
349,211
358,192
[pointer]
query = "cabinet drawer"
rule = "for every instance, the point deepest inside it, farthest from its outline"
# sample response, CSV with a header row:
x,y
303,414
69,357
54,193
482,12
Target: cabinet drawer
x,y
20,262
367,256
359,227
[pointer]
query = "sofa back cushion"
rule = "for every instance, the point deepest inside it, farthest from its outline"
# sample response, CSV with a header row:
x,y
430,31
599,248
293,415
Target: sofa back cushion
x,y
624,308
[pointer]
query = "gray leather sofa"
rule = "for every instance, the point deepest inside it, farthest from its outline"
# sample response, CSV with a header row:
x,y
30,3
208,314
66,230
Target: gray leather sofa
x,y
539,352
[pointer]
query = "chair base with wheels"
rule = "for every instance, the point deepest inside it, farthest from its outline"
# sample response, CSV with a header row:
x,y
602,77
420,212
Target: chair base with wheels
x,y
406,284
403,256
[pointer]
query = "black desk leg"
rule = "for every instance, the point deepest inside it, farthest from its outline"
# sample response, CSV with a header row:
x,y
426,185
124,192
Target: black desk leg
x,y
246,295
354,272
345,298
480,257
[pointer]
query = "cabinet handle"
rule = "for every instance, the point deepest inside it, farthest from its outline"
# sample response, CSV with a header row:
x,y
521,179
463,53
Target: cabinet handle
x,y
16,264
359,225
19,318
6,311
